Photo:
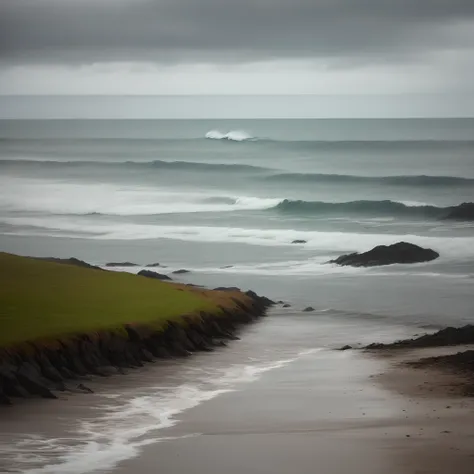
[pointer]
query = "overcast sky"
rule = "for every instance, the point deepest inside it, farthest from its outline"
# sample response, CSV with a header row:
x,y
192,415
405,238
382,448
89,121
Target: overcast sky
x,y
237,47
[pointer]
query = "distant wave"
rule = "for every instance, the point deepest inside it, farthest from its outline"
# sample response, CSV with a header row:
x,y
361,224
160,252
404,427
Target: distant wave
x,y
372,208
395,209
233,135
408,180
266,173
155,164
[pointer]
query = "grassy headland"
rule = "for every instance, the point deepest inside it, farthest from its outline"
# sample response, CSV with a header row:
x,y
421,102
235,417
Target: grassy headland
x,y
43,300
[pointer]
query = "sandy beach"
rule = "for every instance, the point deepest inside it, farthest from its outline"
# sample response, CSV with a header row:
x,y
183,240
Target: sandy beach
x,y
326,424
253,408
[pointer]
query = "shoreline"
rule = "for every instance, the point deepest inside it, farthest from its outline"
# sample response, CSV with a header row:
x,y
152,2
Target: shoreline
x,y
45,365
374,407
374,420
447,354
439,439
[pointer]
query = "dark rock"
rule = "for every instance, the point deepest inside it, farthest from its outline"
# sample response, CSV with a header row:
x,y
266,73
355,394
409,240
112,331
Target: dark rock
x,y
263,300
107,370
286,305
163,353
91,357
11,385
227,266
72,358
66,373
297,241
70,261
445,337
181,272
346,348
154,275
146,355
217,330
463,212
461,362
59,361
47,370
29,380
121,264
4,400
309,309
152,265
227,288
84,389
401,252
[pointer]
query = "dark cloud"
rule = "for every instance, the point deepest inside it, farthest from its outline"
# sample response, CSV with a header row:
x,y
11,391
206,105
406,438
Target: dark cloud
x,y
71,31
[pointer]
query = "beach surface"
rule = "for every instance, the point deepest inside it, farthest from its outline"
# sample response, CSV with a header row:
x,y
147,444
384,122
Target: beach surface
x,y
291,404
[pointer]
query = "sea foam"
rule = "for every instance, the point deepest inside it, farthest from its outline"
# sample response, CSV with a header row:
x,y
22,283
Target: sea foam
x,y
233,135
124,428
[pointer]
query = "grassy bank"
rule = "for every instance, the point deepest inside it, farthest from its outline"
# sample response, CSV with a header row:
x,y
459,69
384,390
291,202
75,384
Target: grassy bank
x,y
42,300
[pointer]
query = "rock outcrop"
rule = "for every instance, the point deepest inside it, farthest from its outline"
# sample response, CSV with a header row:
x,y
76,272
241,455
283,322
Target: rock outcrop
x,y
70,261
449,336
181,272
401,252
154,275
41,369
121,264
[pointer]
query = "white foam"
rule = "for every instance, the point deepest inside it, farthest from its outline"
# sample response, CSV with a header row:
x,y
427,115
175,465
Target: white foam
x,y
326,243
233,135
317,267
414,203
56,197
125,428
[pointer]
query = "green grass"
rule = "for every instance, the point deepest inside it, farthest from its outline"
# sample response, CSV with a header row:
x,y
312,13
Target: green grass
x,y
44,300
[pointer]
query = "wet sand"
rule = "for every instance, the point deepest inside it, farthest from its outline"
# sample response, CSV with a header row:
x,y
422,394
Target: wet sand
x,y
344,418
274,411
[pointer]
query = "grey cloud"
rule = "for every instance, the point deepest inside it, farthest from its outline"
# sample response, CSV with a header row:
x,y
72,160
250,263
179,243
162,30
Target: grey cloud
x,y
71,31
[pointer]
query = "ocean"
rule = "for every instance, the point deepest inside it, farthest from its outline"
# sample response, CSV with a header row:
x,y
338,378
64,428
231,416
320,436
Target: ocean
x,y
225,199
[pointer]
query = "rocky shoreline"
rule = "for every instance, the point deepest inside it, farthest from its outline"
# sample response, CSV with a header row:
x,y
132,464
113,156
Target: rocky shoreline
x,y
41,369
449,336
461,362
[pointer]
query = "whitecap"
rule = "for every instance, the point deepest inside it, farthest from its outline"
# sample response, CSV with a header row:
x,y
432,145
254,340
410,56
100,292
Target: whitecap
x,y
233,135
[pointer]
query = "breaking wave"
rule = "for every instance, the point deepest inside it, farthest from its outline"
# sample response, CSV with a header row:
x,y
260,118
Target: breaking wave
x,y
233,136
64,198
371,208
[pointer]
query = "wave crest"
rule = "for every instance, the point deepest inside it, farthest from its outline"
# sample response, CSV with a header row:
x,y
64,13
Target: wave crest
x,y
385,208
233,135
150,165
